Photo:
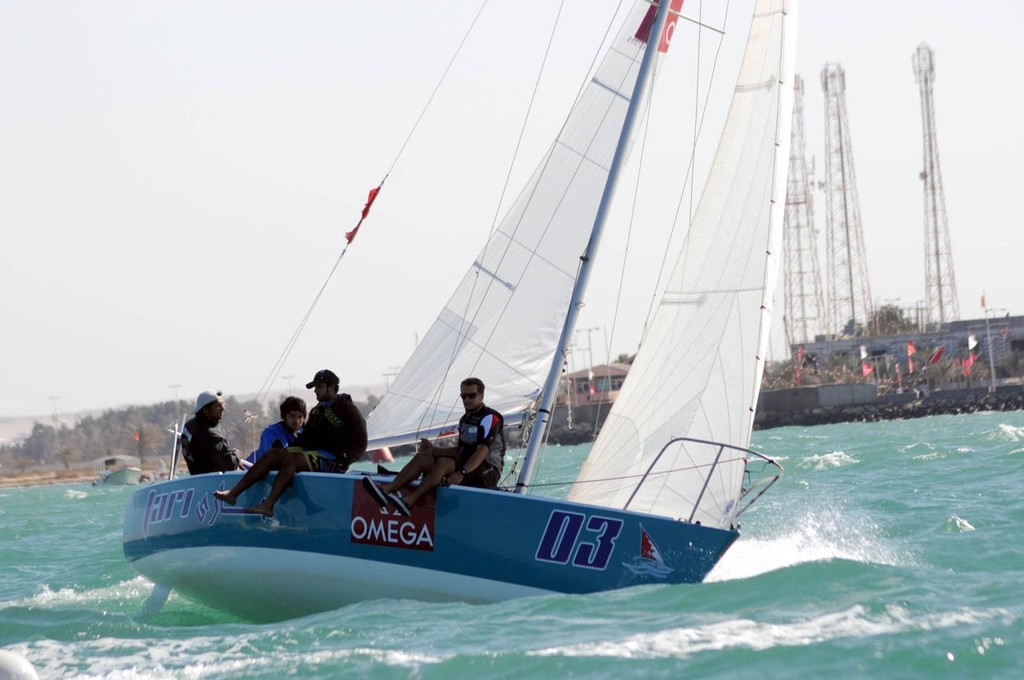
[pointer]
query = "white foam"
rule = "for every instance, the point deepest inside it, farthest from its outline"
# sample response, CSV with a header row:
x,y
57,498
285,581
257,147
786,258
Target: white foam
x,y
854,622
817,537
219,655
1011,433
959,524
828,461
137,588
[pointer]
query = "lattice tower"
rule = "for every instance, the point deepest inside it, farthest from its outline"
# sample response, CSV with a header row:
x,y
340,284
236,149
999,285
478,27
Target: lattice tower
x,y
849,290
806,313
939,280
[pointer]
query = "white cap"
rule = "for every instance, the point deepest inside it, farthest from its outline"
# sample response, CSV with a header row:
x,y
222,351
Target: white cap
x,y
206,398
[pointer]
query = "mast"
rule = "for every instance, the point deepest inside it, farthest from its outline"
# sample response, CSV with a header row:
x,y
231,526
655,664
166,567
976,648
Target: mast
x,y
547,397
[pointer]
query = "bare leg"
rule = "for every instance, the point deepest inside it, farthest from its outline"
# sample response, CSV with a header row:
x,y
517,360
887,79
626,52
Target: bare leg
x,y
296,462
420,464
441,469
271,460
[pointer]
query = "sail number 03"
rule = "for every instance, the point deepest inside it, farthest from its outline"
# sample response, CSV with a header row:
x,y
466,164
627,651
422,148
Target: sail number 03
x,y
566,541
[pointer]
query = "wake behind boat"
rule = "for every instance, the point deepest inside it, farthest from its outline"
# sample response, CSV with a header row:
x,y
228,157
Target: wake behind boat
x,y
659,497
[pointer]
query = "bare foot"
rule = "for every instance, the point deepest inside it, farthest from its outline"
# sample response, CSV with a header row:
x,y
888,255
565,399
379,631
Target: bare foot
x,y
226,497
261,509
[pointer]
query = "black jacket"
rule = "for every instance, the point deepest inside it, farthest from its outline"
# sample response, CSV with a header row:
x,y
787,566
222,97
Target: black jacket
x,y
206,448
338,428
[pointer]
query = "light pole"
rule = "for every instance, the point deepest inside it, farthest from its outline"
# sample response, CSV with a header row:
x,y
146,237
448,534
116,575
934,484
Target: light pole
x,y
392,372
56,422
991,356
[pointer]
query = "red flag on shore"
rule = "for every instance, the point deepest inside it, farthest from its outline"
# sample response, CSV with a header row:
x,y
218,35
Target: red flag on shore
x,y
865,369
968,362
910,352
938,354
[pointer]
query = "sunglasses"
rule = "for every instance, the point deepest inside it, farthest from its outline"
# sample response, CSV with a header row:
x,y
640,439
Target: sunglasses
x,y
469,395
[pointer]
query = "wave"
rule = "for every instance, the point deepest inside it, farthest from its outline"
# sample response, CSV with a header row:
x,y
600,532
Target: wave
x,y
135,589
816,537
854,622
828,461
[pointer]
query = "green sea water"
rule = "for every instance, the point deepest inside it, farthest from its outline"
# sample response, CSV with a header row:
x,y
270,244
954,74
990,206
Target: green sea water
x,y
889,550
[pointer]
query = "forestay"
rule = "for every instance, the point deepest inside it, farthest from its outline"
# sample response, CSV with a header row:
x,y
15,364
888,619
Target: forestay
x,y
504,320
699,369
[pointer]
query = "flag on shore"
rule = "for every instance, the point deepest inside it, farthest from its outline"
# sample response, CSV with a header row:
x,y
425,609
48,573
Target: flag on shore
x,y
937,355
910,352
968,362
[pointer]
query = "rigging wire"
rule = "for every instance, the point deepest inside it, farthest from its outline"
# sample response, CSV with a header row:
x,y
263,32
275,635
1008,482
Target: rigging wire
x,y
688,177
687,183
462,335
264,390
465,316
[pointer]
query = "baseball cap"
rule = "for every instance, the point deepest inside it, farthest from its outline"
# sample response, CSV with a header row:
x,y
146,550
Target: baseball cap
x,y
323,376
207,398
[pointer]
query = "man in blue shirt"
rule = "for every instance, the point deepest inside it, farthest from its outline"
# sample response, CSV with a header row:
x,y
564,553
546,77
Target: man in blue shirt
x,y
333,437
282,433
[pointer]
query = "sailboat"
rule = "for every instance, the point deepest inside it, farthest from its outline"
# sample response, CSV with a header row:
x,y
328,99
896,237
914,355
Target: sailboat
x,y
658,499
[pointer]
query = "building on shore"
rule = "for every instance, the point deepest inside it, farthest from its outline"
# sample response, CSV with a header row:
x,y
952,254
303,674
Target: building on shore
x,y
989,342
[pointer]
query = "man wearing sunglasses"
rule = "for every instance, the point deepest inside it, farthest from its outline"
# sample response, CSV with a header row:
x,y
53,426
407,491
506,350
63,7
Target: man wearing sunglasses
x,y
477,460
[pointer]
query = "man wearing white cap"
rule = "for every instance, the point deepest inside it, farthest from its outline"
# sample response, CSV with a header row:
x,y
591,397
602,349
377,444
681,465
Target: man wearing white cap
x,y
203,441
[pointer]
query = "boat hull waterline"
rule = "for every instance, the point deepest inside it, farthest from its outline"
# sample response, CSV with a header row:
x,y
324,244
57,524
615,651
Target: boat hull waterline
x,y
329,545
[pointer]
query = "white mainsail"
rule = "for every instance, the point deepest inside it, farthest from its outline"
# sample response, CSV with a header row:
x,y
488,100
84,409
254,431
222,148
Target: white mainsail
x,y
699,369
503,322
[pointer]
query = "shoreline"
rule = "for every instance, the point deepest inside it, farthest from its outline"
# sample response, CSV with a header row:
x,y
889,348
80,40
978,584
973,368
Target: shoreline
x,y
45,478
937,403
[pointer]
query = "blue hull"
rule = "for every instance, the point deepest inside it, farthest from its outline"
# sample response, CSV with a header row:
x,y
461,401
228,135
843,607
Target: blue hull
x,y
329,544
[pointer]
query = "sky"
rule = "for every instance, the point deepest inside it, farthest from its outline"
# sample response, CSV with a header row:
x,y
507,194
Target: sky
x,y
176,178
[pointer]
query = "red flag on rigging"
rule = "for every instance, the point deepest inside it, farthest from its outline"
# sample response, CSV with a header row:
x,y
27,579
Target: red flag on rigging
x,y
937,355
350,235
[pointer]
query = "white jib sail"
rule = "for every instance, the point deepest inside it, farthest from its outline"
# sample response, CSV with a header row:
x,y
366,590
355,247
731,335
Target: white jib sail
x,y
699,369
504,320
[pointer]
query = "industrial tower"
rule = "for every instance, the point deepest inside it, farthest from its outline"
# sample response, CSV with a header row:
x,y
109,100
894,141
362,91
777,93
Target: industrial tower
x,y
849,291
939,281
805,304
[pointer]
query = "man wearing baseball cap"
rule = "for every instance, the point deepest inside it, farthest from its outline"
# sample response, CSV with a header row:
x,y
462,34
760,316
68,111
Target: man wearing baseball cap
x,y
202,439
334,436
